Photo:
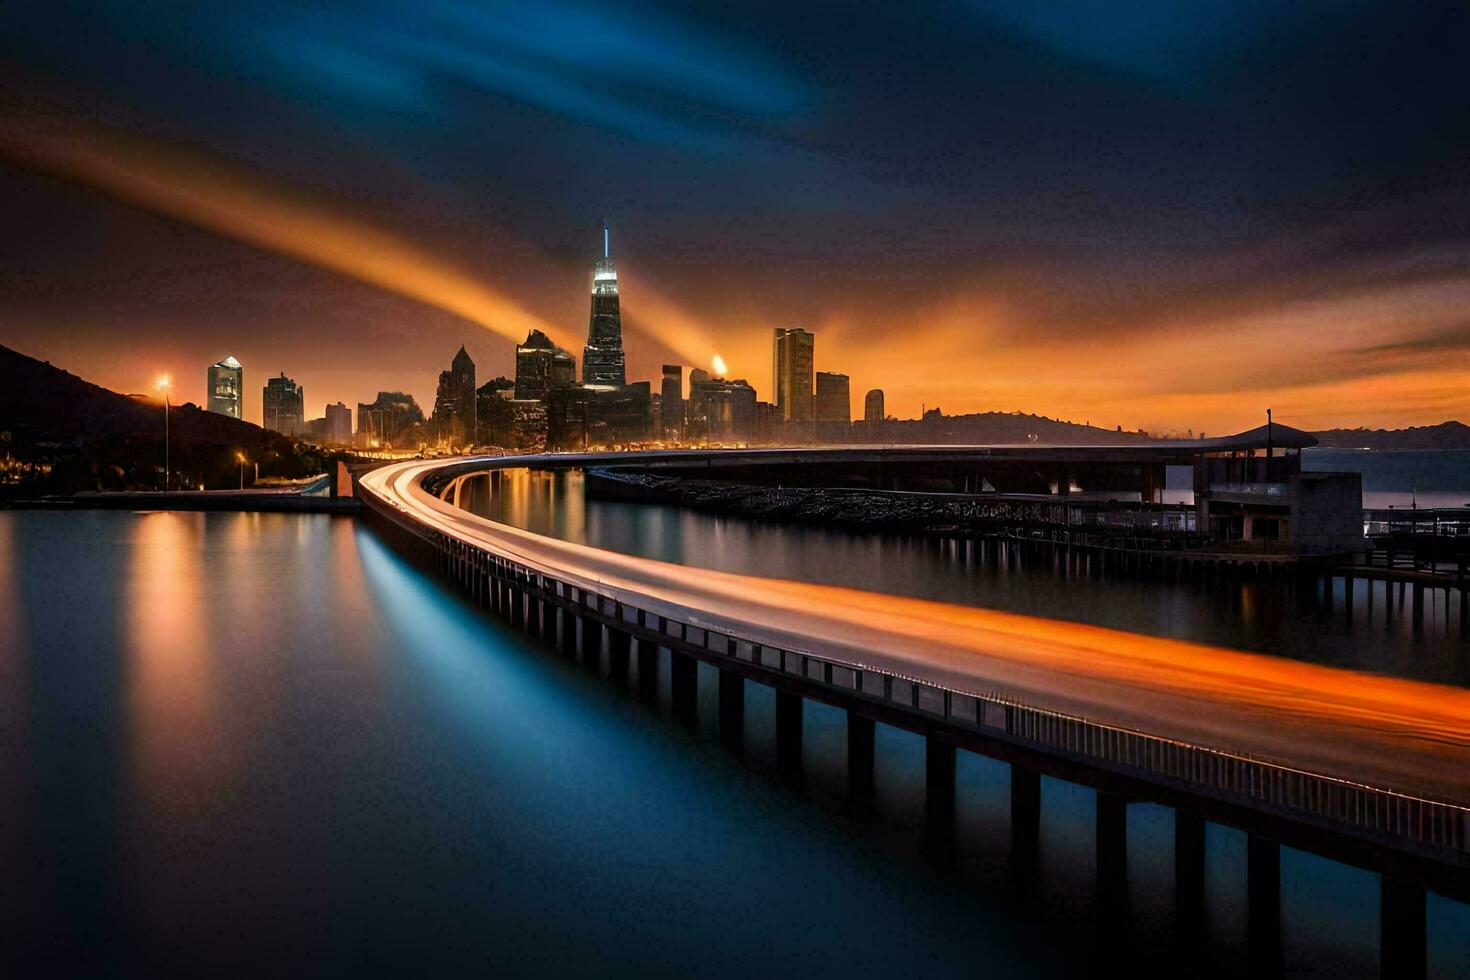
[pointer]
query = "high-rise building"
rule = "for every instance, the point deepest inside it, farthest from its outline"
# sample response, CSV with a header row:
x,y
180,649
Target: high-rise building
x,y
282,406
873,406
493,416
389,421
833,402
540,365
720,410
453,421
339,424
618,416
602,358
791,373
226,388
671,402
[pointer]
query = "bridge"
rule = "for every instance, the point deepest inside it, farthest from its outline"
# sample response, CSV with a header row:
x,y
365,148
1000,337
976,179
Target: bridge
x,y
1368,770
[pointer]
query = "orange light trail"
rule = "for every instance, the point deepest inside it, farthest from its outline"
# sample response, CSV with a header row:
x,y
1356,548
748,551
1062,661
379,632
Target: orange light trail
x,y
1398,734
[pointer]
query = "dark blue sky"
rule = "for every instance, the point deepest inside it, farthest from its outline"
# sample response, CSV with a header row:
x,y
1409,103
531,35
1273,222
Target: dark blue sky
x,y
1066,207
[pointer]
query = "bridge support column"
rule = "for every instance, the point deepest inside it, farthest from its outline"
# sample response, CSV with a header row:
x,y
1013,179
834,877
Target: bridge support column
x,y
1189,872
1418,609
939,816
566,632
732,708
517,608
1347,597
647,670
1112,856
534,609
1402,940
589,644
684,685
788,732
1263,887
619,649
1025,829
860,744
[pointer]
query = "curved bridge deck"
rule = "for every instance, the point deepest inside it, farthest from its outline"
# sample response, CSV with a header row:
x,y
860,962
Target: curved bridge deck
x,y
1370,770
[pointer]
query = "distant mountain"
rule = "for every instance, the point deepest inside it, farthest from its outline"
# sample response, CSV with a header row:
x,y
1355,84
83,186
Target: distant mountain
x,y
1446,435
995,428
88,437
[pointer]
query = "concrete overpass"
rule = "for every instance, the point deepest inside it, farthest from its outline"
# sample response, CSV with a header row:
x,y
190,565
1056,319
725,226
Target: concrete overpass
x,y
1369,770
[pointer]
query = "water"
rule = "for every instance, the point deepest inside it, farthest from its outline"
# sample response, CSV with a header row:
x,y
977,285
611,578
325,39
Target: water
x,y
265,745
1260,617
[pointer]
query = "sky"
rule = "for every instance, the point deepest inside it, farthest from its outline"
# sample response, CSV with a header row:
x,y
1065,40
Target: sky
x,y
1160,215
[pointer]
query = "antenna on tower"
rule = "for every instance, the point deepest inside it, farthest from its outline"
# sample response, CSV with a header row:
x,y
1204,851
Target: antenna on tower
x,y
604,239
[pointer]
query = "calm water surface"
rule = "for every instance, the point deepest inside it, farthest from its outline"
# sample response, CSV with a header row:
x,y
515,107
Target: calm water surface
x,y
265,745
1266,618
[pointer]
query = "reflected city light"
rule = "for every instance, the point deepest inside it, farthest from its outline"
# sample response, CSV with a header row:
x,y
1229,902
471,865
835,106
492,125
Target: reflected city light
x,y
171,695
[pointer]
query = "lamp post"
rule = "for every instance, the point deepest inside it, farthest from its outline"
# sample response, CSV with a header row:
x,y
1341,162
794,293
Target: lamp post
x,y
163,386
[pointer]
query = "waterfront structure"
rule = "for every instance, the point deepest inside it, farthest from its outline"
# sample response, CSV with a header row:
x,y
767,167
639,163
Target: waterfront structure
x,y
833,403
392,419
282,406
541,365
338,424
602,358
671,403
226,388
719,410
791,373
453,421
873,406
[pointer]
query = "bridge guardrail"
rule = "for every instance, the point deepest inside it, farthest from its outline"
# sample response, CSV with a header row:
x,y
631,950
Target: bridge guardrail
x,y
1397,818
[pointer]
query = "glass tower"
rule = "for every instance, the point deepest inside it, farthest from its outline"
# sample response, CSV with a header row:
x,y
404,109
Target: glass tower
x,y
226,380
791,373
602,358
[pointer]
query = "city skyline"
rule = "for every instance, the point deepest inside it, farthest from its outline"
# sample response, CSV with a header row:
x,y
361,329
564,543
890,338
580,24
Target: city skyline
x,y
509,488
1038,215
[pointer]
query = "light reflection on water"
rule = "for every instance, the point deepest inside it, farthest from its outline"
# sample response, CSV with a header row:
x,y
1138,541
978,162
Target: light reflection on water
x,y
265,744
1258,617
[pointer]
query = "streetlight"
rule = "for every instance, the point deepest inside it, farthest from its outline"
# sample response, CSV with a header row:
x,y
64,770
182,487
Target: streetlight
x,y
241,458
163,386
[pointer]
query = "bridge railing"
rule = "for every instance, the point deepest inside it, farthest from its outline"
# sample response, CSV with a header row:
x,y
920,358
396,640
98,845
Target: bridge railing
x,y
1399,819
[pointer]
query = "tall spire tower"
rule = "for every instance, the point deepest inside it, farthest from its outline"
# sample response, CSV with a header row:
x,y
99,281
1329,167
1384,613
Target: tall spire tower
x,y
602,358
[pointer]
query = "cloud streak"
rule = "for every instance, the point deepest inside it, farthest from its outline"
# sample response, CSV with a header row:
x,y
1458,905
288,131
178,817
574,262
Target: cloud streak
x,y
205,191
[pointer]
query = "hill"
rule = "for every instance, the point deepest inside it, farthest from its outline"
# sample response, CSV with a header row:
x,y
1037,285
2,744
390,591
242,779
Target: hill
x,y
992,428
1446,435
62,434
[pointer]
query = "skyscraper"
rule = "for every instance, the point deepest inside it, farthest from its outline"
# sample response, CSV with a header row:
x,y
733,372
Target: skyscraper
x,y
719,410
282,406
602,358
791,373
453,421
671,402
833,402
339,424
226,388
390,420
540,365
873,406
